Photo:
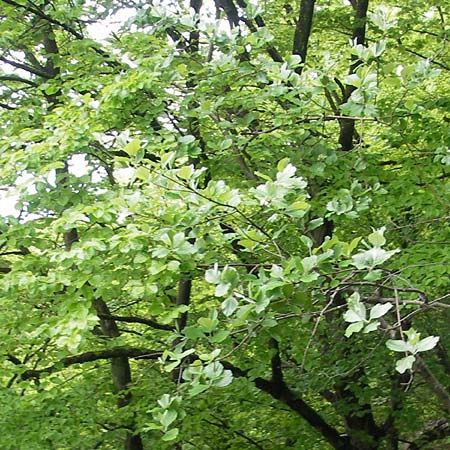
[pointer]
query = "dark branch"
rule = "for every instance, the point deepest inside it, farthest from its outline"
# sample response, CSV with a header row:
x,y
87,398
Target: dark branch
x,y
281,392
132,319
92,356
277,374
347,126
17,79
434,431
29,69
303,30
223,424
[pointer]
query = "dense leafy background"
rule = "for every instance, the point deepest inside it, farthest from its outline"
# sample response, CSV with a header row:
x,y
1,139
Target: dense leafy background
x,y
231,231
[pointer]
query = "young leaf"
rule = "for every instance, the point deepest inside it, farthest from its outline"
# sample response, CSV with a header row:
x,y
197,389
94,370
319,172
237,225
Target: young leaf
x,y
229,306
132,147
398,345
170,435
405,364
427,344
372,326
379,310
167,417
354,328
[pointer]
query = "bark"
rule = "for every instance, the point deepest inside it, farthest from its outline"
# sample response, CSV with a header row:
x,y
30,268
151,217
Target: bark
x,y
303,30
347,126
120,372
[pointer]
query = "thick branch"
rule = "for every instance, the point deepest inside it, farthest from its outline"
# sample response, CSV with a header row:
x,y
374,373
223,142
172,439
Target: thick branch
x,y
92,356
183,298
277,373
132,319
303,30
280,391
17,79
434,431
347,126
29,69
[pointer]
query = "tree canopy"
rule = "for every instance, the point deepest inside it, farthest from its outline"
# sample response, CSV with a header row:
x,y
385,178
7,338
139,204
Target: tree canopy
x,y
232,226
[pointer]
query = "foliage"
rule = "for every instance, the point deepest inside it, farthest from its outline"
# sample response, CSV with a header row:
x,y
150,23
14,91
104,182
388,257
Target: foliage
x,y
231,225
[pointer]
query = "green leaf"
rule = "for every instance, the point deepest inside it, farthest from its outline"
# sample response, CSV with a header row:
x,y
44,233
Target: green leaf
x,y
207,325
170,435
132,147
222,289
373,257
373,275
219,336
193,332
198,389
377,238
313,224
356,311
188,139
167,417
213,275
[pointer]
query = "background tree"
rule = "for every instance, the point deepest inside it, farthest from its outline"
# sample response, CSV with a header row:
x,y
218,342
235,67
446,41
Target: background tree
x,y
232,228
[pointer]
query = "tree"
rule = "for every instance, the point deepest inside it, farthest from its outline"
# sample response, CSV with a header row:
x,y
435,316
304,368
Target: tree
x,y
232,228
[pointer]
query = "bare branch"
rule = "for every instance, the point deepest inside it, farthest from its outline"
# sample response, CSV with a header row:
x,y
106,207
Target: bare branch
x,y
132,319
92,356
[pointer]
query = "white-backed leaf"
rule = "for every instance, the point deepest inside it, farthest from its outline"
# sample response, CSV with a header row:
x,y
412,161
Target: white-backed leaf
x,y
405,364
379,310
354,328
427,344
397,345
372,326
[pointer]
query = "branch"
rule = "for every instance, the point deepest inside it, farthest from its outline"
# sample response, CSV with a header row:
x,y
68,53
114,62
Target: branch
x,y
281,392
224,424
347,127
432,61
277,373
435,385
183,298
303,31
17,79
92,356
33,70
434,431
272,51
132,319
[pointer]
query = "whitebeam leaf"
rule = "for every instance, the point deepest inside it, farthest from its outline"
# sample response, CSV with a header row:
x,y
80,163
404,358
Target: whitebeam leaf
x,y
379,310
